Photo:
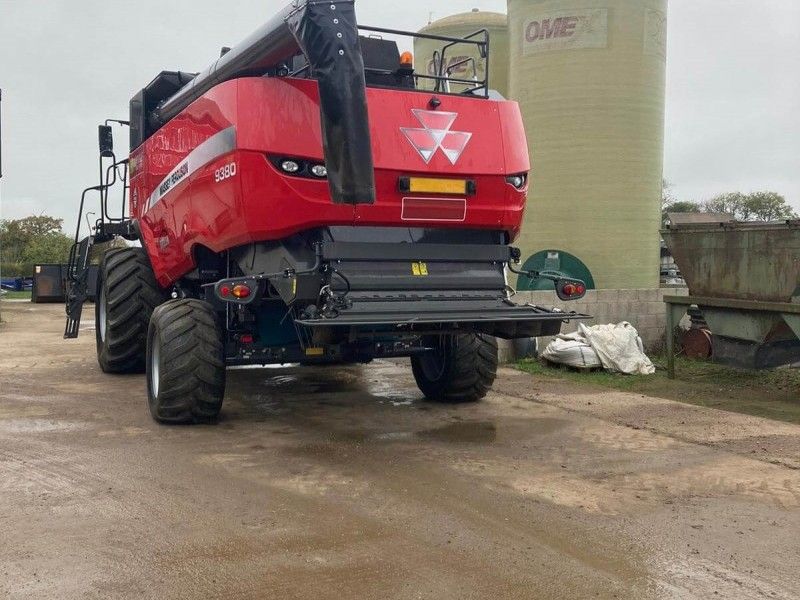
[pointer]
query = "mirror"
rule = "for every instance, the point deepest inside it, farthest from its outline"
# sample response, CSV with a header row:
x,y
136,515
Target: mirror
x,y
106,141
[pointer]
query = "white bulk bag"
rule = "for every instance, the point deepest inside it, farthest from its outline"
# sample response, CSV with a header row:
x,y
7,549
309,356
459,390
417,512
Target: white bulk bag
x,y
572,350
619,348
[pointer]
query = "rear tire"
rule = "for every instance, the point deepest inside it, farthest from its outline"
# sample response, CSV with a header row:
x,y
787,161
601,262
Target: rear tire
x,y
127,294
185,363
462,367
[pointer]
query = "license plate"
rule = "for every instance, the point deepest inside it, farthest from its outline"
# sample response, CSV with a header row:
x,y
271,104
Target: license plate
x,y
431,185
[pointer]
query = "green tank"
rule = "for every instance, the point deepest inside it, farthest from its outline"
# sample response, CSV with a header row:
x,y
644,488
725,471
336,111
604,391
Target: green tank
x,y
589,76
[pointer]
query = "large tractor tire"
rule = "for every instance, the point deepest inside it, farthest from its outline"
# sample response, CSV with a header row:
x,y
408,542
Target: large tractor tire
x,y
185,363
461,368
127,294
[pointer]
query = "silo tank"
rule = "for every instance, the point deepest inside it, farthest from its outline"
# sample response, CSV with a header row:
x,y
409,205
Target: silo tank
x,y
459,26
590,79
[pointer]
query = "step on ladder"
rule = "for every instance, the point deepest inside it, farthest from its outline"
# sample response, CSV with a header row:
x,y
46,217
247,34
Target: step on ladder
x,y
77,284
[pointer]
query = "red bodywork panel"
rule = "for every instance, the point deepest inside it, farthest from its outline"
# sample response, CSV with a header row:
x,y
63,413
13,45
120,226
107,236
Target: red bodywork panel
x,y
185,191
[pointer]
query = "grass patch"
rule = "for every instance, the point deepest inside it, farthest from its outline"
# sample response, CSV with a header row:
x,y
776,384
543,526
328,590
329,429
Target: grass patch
x,y
16,296
771,394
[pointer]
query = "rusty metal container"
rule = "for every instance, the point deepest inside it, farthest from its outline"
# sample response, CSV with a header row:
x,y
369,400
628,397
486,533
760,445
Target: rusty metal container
x,y
748,261
745,277
48,283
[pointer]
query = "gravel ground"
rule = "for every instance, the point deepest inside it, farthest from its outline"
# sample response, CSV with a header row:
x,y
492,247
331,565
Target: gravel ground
x,y
344,483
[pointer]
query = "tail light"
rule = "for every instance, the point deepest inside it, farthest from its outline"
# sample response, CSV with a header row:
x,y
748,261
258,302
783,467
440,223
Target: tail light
x,y
237,291
570,289
242,291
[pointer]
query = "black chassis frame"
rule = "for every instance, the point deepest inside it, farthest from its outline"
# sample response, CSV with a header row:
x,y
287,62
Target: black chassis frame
x,y
350,298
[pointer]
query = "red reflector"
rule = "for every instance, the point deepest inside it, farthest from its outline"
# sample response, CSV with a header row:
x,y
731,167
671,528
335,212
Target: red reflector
x,y
434,209
246,339
580,290
225,290
242,291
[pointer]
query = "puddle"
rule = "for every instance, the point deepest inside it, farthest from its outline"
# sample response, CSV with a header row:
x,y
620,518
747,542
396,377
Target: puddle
x,y
386,390
468,432
263,367
281,381
482,432
299,386
267,405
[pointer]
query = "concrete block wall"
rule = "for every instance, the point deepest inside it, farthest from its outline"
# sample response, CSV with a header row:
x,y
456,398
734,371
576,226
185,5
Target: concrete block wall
x,y
644,309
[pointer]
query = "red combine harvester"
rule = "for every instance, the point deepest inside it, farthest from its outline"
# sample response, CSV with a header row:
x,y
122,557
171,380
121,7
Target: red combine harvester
x,y
304,200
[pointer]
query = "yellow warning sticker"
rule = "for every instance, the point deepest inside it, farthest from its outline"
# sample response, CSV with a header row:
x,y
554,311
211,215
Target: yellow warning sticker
x,y
419,269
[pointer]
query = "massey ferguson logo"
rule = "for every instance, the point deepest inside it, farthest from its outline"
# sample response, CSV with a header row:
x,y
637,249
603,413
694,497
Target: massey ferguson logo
x,y
174,178
435,135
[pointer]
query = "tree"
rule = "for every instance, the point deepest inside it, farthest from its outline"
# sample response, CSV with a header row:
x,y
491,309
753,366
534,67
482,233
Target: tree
x,y
48,248
41,225
667,197
757,206
684,206
768,206
24,242
670,204
16,235
731,203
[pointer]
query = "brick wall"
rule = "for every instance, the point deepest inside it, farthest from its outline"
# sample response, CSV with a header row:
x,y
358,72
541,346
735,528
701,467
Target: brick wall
x,y
644,309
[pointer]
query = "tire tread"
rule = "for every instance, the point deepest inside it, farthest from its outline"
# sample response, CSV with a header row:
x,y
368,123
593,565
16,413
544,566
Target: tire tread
x,y
469,371
132,294
192,376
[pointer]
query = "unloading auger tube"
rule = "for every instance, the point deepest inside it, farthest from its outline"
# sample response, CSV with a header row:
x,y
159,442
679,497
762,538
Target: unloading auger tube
x,y
327,34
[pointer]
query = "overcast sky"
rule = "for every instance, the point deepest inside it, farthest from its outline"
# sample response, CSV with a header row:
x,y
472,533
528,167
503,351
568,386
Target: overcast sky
x,y
733,100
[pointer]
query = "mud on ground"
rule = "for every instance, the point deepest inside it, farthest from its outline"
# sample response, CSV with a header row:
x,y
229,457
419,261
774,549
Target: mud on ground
x,y
344,483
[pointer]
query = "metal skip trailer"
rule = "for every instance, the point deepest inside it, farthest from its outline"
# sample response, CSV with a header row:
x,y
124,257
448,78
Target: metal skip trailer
x,y
745,278
304,200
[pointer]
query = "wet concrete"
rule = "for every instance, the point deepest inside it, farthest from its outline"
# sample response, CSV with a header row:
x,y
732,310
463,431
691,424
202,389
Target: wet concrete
x,y
343,483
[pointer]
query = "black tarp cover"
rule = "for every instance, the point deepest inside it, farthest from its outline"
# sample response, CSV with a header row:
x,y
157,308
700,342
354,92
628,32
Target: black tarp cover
x,y
328,35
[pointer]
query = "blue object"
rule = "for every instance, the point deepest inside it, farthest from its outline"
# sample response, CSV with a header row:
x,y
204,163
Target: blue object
x,y
14,284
